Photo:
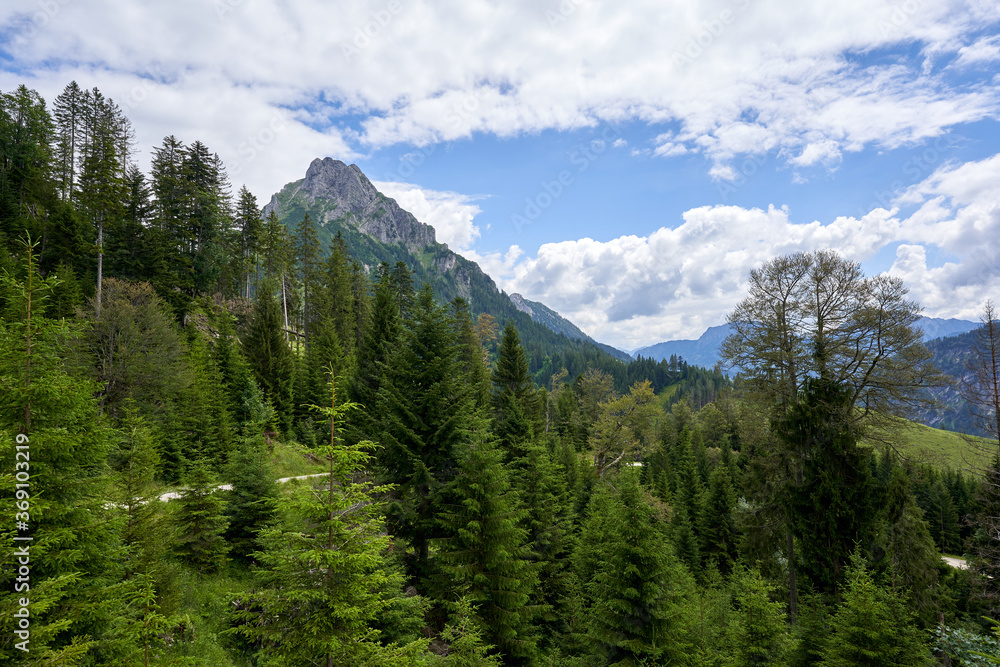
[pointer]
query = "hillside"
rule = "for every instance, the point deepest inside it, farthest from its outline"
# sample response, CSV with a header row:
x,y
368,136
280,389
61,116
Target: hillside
x,y
342,200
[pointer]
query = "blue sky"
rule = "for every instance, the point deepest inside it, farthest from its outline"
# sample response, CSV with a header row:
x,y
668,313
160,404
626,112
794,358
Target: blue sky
x,y
626,163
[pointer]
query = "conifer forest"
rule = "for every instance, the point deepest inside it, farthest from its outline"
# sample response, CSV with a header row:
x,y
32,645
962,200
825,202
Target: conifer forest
x,y
224,442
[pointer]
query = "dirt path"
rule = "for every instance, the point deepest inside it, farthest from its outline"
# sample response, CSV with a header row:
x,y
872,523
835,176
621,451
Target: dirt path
x,y
174,495
957,563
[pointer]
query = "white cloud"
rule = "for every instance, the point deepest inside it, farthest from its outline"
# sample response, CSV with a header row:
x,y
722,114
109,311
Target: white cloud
x,y
674,283
764,76
450,214
985,50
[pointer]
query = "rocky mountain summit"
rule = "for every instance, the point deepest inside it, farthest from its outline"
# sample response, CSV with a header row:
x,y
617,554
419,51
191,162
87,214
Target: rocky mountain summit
x,y
341,192
341,200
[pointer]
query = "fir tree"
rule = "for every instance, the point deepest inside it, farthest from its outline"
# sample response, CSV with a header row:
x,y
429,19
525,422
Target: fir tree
x,y
424,408
52,442
638,590
514,396
835,505
717,527
873,627
485,555
760,633
251,501
270,358
323,578
201,521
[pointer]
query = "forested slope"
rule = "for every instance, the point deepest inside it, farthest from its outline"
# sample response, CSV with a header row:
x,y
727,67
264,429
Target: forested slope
x,y
492,494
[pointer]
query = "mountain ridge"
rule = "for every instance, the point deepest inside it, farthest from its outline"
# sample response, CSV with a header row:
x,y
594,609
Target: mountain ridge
x,y
342,200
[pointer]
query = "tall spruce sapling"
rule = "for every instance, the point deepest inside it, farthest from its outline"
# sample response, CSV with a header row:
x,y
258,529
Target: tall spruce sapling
x,y
74,555
323,576
485,554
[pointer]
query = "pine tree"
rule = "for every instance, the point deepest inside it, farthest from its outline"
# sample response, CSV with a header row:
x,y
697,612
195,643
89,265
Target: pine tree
x,y
717,528
424,409
323,576
472,355
485,556
835,504
760,633
133,465
201,521
270,357
514,396
53,443
251,229
466,647
872,626
251,501
637,588
307,251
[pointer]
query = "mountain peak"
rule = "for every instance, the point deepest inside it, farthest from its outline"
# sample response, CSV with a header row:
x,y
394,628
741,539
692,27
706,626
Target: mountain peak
x,y
335,191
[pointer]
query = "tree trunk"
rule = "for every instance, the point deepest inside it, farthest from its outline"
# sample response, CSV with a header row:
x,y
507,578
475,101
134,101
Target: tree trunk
x,y
793,592
100,266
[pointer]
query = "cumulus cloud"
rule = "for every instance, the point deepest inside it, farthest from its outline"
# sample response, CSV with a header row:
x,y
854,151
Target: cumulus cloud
x,y
676,282
450,214
734,76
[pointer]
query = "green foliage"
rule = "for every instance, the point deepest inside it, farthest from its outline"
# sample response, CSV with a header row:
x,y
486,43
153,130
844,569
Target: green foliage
x,y
717,527
73,560
322,577
423,406
270,357
970,648
250,506
638,591
760,632
834,503
466,647
872,626
485,554
201,521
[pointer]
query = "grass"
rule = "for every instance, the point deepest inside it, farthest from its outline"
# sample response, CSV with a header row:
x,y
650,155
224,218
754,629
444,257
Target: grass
x,y
290,459
946,449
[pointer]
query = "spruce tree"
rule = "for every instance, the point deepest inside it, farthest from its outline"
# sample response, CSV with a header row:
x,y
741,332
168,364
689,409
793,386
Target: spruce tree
x,y
472,355
485,555
872,626
835,505
323,577
270,357
251,501
760,632
638,590
201,521
717,528
514,396
424,409
60,526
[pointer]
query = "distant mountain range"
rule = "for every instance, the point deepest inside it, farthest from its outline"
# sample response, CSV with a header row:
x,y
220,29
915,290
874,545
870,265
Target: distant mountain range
x,y
342,200
704,351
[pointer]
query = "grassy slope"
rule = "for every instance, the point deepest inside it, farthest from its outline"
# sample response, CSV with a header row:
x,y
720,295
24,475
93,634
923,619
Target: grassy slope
x,y
946,448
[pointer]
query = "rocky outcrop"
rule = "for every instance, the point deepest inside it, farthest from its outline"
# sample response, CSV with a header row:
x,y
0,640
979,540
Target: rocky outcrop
x,y
343,192
520,304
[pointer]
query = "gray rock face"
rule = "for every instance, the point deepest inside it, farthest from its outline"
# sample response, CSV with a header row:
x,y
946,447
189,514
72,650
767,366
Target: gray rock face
x,y
348,193
519,303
